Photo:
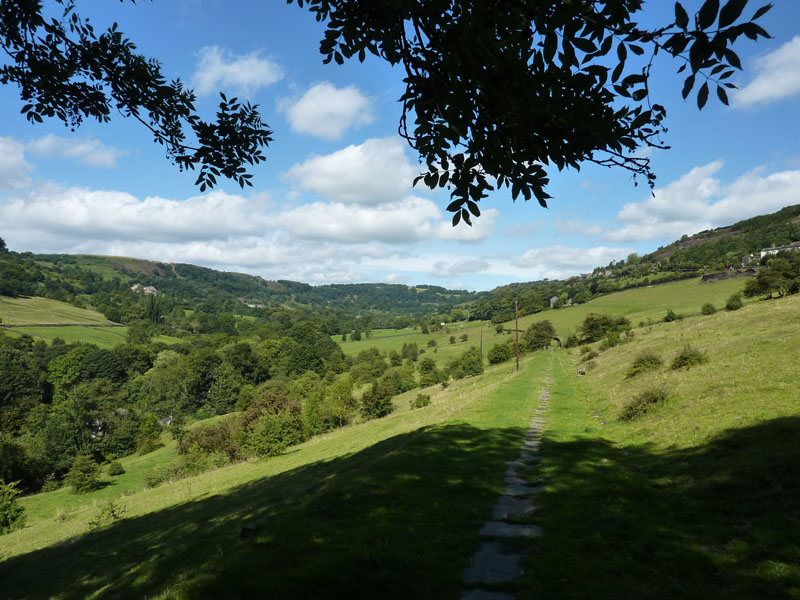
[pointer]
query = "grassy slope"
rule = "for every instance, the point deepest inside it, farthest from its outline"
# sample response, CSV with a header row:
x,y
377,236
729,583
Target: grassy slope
x,y
387,508
35,311
641,304
698,499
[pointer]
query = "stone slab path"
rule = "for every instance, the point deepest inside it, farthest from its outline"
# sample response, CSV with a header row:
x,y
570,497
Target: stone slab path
x,y
497,561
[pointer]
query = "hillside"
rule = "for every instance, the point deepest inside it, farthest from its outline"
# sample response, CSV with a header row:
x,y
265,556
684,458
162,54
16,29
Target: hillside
x,y
693,497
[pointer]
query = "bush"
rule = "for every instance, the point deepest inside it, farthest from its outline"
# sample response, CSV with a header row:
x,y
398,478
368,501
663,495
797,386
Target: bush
x,y
11,513
464,337
689,357
590,355
498,328
110,512
734,302
611,340
468,364
670,316
645,361
452,339
115,468
431,343
644,403
585,349
708,309
499,353
421,401
376,402
572,341
83,475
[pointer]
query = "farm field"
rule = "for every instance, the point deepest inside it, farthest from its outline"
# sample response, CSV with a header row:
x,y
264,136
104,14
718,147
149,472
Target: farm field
x,y
641,304
417,484
38,311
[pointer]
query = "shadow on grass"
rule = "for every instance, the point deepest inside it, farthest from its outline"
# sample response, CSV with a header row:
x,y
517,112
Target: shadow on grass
x,y
398,519
717,521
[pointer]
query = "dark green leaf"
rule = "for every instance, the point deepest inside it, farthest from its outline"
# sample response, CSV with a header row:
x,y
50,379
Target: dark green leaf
x,y
731,11
722,94
733,59
761,11
688,84
473,208
702,95
681,17
456,218
707,14
638,50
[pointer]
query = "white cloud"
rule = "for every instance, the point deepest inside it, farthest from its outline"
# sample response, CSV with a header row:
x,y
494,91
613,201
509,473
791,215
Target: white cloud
x,y
482,228
556,262
86,151
577,227
446,270
699,201
14,169
403,221
327,111
219,68
394,278
778,77
79,213
375,172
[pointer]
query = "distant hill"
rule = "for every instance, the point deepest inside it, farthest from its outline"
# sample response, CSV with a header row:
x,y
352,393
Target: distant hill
x,y
691,256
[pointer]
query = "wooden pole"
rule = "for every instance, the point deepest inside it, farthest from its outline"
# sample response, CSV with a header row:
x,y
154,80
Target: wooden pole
x,y
516,327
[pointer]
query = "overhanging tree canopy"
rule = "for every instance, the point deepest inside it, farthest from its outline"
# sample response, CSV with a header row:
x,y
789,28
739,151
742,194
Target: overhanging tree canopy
x,y
496,90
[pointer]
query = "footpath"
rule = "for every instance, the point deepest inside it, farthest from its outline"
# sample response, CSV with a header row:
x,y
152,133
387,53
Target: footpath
x,y
498,560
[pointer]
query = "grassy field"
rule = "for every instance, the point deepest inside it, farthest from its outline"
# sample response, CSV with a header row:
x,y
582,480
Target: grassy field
x,y
387,508
641,304
36,311
103,337
700,497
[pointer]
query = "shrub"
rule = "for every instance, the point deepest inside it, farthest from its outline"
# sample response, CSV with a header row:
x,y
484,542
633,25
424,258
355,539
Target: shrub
x,y
734,302
590,355
376,402
611,340
156,477
498,328
83,475
431,343
644,403
110,512
689,357
585,349
452,339
467,364
11,513
670,316
115,468
708,309
591,365
464,337
645,361
421,401
499,353
572,341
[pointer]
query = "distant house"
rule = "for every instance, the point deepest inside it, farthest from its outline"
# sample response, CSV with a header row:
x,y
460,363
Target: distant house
x,y
553,301
746,260
148,290
794,247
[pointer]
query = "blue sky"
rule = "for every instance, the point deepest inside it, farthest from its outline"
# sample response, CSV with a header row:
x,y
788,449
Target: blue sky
x,y
334,201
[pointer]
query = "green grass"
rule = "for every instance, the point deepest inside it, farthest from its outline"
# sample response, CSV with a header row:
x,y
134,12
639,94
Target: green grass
x,y
641,304
104,337
699,498
36,311
444,349
390,508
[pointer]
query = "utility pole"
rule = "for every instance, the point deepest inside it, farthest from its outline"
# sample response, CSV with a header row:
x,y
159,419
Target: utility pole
x,y
516,328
